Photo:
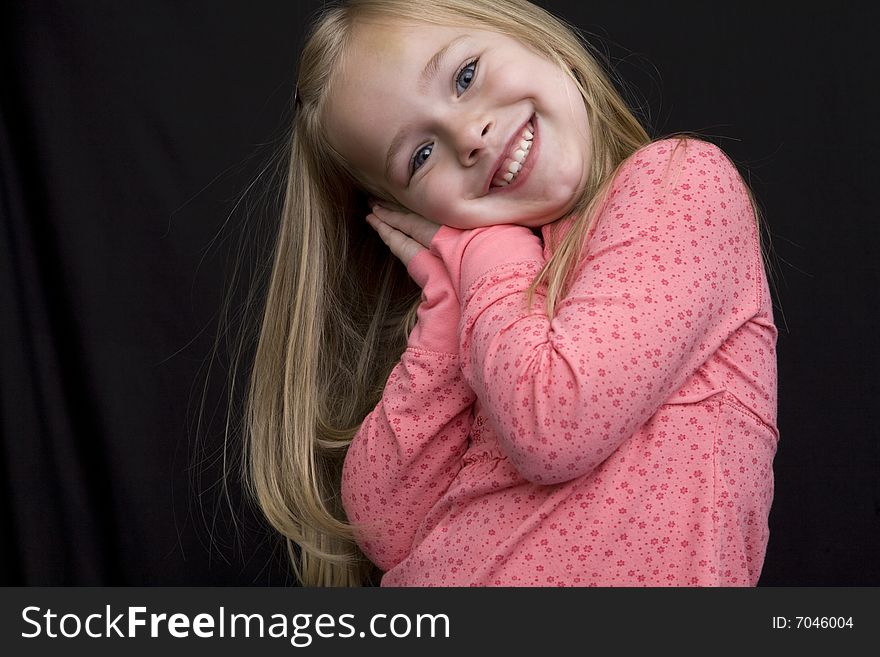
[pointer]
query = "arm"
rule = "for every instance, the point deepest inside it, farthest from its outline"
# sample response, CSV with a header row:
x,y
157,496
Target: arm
x,y
409,448
670,273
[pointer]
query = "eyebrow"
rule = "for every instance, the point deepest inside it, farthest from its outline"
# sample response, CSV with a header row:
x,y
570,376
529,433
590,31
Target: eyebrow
x,y
425,78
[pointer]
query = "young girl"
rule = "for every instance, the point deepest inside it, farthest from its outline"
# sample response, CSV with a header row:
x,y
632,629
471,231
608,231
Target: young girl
x,y
579,390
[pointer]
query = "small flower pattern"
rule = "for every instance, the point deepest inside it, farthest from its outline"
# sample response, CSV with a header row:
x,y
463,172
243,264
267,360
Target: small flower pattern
x,y
626,442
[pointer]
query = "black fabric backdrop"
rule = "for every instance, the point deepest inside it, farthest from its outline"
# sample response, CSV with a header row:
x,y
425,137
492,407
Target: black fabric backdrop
x,y
130,136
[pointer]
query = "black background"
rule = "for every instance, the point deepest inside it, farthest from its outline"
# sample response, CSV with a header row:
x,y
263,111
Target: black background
x,y
135,149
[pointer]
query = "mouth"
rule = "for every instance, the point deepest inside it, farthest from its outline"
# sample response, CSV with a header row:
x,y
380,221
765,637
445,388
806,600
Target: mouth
x,y
516,159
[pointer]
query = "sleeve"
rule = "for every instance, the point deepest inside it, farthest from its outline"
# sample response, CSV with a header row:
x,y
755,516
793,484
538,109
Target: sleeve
x,y
670,272
409,448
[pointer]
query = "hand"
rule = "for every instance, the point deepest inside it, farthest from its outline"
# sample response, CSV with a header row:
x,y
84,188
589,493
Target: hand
x,y
405,233
409,235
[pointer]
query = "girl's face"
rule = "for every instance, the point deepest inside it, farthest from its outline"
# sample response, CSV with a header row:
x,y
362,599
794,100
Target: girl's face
x,y
434,116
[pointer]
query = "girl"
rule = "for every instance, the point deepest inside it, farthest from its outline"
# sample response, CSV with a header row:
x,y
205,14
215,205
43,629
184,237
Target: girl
x,y
579,390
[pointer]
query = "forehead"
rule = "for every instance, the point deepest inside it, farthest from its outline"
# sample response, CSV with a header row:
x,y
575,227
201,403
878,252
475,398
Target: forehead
x,y
375,91
405,46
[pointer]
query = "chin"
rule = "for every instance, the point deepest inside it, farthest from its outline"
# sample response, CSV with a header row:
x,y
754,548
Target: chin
x,y
537,222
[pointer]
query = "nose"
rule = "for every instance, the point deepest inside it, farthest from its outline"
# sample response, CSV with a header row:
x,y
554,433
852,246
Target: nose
x,y
471,137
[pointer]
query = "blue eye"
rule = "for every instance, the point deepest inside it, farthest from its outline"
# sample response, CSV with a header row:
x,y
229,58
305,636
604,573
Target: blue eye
x,y
417,161
465,76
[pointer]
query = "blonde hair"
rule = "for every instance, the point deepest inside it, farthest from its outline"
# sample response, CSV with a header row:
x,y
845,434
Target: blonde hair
x,y
339,306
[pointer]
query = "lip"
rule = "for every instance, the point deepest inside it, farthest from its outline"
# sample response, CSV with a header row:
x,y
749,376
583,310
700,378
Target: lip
x,y
529,163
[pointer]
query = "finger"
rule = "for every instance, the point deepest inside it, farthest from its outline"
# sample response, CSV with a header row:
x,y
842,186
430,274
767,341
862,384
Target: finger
x,y
417,227
414,225
401,245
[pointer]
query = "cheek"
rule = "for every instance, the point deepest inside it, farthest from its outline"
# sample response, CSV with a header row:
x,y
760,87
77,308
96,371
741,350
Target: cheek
x,y
436,202
511,82
449,213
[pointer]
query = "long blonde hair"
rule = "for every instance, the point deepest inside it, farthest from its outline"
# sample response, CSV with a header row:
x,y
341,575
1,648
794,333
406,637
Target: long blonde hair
x,y
339,306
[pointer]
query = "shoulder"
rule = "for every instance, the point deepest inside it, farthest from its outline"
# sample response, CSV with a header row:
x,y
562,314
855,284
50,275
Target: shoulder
x,y
679,150
682,166
682,189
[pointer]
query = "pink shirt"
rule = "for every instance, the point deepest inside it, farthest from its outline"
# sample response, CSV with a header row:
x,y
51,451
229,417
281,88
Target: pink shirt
x,y
627,441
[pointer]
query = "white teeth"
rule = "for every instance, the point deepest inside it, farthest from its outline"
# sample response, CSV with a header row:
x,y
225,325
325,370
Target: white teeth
x,y
517,158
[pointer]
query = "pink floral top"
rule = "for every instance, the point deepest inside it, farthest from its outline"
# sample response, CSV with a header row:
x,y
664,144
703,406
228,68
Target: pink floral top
x,y
627,441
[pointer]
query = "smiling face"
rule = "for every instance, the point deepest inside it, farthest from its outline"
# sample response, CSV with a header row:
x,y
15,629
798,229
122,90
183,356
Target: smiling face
x,y
436,116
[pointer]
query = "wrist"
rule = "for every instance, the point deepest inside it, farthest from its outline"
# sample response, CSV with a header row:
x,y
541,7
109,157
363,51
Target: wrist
x,y
470,254
439,311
